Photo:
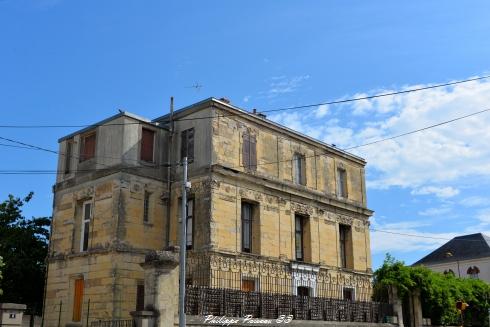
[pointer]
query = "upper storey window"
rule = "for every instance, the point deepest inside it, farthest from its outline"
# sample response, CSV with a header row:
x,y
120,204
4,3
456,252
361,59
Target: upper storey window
x,y
187,144
87,148
68,154
249,151
147,145
342,183
299,169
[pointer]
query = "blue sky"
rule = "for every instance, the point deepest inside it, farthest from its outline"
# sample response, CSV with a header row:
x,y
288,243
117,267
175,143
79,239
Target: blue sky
x,y
76,62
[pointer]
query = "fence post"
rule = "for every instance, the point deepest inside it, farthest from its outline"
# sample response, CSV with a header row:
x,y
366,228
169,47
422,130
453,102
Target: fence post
x,y
59,314
88,311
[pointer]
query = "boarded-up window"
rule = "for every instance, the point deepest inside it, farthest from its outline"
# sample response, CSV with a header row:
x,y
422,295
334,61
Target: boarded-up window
x,y
341,183
299,169
147,144
187,145
249,151
140,296
189,225
78,300
87,149
248,285
68,154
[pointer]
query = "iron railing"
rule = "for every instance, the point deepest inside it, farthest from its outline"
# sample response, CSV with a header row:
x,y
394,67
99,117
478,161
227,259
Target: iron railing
x,y
233,303
113,323
218,284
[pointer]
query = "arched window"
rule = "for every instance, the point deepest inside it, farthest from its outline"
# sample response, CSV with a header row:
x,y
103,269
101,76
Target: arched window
x,y
449,272
473,272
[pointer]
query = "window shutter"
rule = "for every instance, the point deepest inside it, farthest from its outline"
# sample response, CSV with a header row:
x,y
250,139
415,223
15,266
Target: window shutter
x,y
303,170
246,150
88,147
147,143
78,300
253,153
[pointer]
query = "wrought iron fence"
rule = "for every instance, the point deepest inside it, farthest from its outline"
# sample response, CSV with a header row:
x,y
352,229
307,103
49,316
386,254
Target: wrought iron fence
x,y
113,323
202,300
238,286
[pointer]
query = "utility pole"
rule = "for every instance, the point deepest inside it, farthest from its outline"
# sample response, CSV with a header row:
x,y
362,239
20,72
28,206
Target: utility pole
x,y
183,244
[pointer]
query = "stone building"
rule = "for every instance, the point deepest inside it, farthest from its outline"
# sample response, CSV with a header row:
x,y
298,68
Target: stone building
x,y
262,196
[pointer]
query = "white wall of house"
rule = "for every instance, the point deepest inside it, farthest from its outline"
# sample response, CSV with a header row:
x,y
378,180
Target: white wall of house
x,y
462,266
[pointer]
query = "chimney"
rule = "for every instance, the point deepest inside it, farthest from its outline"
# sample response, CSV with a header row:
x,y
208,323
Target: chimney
x,y
259,114
225,100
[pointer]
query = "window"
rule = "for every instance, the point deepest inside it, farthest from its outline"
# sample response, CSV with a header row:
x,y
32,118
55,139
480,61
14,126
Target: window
x,y
247,217
303,291
86,215
249,151
348,293
147,144
68,154
344,239
140,296
146,207
248,285
78,300
189,223
299,169
473,272
187,144
341,183
87,149
298,237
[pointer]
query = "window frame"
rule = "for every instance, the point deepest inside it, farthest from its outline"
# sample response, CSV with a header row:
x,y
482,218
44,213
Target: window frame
x,y
85,224
249,221
153,145
146,207
83,157
342,191
301,232
299,168
344,231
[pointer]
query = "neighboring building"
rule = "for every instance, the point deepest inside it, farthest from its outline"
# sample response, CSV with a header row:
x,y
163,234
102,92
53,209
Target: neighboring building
x,y
465,256
287,212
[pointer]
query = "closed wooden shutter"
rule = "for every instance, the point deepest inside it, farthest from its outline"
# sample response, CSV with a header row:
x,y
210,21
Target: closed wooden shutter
x,y
147,142
253,153
88,147
246,150
248,285
78,300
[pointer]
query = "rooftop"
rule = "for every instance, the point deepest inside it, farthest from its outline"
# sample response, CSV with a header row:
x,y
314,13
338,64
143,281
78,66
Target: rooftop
x,y
473,246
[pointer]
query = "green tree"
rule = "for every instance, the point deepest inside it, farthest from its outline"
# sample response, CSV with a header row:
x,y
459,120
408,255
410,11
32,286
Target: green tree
x,y
1,265
23,246
439,292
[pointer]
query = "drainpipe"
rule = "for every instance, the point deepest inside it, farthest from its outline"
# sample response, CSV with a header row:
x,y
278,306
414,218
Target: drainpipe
x,y
169,171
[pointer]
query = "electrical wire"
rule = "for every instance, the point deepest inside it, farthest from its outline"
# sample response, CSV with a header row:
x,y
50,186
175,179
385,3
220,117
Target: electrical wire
x,y
369,97
422,236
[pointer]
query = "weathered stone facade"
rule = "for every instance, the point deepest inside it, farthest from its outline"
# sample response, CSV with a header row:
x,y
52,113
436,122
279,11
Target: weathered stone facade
x,y
136,205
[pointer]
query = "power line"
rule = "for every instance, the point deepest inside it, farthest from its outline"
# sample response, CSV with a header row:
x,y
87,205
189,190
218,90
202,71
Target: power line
x,y
29,146
369,97
422,236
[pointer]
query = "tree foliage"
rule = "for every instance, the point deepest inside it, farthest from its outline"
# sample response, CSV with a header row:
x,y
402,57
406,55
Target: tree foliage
x,y
23,246
439,292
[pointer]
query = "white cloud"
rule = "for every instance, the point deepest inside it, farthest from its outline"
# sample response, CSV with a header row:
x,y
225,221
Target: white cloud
x,y
246,98
474,201
435,211
321,111
440,192
281,85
